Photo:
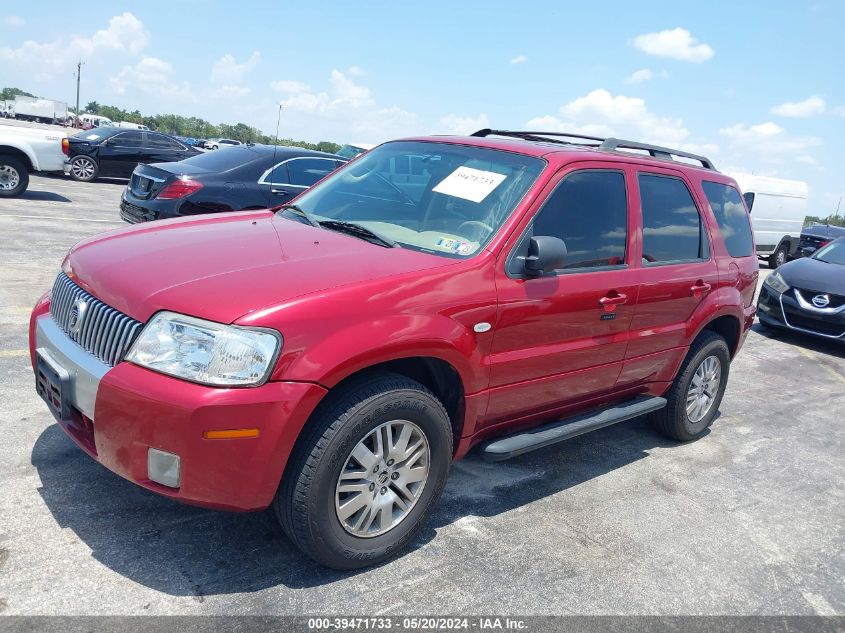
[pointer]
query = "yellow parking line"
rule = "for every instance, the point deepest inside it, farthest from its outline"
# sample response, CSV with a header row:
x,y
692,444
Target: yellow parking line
x,y
57,217
13,353
824,365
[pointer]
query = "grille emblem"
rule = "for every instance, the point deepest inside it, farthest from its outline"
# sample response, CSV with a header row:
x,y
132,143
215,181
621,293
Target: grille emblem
x,y
77,316
821,301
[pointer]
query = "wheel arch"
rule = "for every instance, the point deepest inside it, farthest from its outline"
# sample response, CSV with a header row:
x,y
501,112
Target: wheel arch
x,y
436,374
728,326
20,154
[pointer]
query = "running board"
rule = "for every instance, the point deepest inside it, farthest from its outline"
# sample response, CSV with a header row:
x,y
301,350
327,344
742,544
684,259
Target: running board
x,y
513,445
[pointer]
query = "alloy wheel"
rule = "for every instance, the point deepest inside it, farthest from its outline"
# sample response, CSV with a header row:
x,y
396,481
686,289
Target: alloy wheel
x,y
382,479
82,168
703,389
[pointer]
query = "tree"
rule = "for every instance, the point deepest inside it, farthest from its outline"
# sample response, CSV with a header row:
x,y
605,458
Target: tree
x,y
11,93
93,107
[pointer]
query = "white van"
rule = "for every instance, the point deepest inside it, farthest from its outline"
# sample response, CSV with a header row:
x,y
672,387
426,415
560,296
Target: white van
x,y
96,120
132,126
778,209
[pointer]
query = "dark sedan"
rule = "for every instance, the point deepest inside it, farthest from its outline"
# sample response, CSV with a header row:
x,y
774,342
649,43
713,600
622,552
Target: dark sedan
x,y
815,236
242,177
808,294
114,151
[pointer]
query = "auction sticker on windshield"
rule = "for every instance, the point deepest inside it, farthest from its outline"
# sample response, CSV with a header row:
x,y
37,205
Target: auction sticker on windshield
x,y
470,184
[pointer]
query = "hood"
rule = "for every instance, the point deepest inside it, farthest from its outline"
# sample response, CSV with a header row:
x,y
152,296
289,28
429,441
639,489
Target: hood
x,y
223,266
814,275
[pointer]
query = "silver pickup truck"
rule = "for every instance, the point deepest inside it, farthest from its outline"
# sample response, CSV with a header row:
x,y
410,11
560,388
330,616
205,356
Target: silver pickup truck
x,y
27,149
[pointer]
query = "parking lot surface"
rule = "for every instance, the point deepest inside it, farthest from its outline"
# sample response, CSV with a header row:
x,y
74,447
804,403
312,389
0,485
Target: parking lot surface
x,y
749,519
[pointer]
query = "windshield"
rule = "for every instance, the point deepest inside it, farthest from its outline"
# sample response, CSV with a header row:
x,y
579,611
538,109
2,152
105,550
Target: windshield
x,y
434,197
833,253
94,134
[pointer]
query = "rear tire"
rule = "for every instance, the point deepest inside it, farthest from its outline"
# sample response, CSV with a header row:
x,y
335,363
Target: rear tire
x,y
778,258
694,397
84,169
325,478
14,177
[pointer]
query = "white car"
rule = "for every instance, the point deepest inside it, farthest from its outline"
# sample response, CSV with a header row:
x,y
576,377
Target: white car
x,y
217,143
24,150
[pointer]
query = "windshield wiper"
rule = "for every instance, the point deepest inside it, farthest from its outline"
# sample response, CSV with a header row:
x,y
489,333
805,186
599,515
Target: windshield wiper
x,y
358,230
299,212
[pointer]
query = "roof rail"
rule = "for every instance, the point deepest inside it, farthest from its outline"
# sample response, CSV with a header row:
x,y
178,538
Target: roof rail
x,y
538,136
604,144
615,144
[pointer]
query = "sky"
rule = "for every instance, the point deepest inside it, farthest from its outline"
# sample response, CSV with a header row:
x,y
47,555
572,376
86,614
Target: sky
x,y
756,86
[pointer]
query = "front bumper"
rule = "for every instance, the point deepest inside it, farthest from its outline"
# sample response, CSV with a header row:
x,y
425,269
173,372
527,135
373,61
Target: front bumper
x,y
785,311
118,413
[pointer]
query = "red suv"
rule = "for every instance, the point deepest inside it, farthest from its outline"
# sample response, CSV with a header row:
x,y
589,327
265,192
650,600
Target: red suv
x,y
332,357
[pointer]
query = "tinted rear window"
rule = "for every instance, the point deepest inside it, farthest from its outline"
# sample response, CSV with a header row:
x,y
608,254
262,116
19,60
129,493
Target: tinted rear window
x,y
231,158
731,217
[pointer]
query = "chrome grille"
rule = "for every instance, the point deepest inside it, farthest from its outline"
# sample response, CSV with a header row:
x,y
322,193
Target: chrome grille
x,y
105,332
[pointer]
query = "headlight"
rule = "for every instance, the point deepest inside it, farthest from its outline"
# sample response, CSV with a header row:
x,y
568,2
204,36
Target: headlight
x,y
204,351
776,282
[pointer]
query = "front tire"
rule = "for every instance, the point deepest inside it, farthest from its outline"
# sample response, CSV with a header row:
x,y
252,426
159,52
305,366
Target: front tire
x,y
367,473
693,399
778,258
84,169
14,177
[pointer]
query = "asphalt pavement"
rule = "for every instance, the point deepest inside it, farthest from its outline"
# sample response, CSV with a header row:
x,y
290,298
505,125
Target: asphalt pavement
x,y
747,520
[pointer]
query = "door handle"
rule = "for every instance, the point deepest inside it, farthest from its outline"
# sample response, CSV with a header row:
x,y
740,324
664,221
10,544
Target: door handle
x,y
612,299
279,192
700,289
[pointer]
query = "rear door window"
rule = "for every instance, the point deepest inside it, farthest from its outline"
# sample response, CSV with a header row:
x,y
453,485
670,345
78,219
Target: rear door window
x,y
731,217
672,227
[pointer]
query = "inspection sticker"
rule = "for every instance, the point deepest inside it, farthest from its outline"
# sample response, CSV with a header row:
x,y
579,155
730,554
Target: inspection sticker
x,y
470,184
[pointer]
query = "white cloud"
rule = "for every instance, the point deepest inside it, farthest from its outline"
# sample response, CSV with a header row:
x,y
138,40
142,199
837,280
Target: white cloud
x,y
519,59
125,34
639,76
800,109
768,142
675,43
228,71
601,114
462,125
231,91
290,87
806,159
345,109
150,75
14,20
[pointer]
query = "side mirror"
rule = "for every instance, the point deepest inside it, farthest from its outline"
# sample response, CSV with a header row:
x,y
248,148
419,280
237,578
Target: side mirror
x,y
545,253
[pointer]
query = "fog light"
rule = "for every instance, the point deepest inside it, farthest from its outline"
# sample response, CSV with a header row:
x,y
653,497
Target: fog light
x,y
164,468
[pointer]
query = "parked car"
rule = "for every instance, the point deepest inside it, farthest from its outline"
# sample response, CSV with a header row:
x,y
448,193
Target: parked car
x,y
815,236
217,143
245,177
332,357
114,151
808,294
778,208
24,150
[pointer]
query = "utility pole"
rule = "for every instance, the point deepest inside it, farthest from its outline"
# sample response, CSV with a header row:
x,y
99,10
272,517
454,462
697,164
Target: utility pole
x,y
78,76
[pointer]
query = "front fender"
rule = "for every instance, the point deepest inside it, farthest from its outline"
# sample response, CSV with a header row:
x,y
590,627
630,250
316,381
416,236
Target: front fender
x,y
366,343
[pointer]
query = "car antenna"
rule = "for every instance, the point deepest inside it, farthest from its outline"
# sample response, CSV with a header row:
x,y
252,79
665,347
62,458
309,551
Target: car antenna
x,y
275,147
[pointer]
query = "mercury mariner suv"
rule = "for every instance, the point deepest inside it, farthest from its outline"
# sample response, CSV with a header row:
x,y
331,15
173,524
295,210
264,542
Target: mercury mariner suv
x,y
499,292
